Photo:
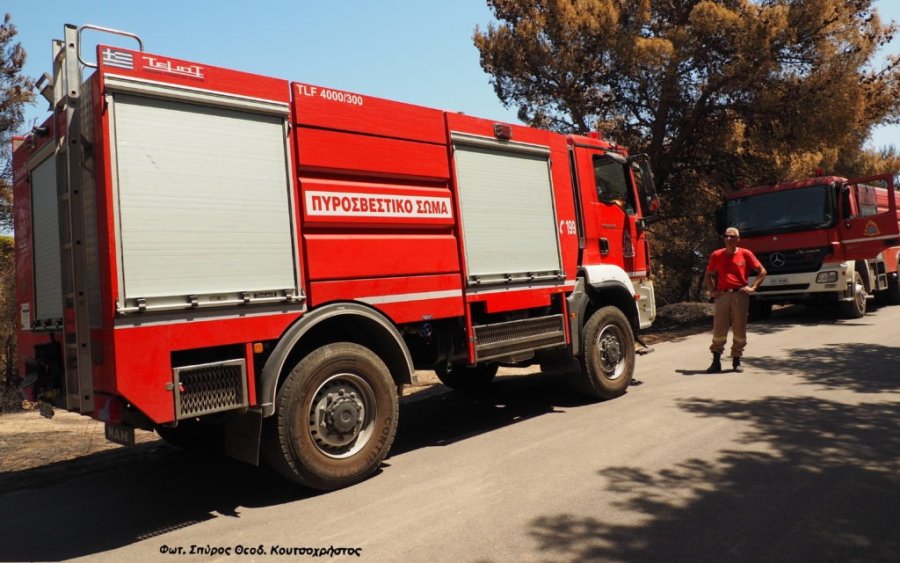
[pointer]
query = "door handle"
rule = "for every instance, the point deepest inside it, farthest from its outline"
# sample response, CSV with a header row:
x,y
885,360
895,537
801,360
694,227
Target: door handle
x,y
604,246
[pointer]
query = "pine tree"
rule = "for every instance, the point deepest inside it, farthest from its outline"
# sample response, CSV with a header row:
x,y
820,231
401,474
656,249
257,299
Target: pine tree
x,y
715,91
15,92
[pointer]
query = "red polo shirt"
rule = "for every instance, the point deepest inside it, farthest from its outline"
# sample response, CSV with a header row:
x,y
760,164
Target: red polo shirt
x,y
732,270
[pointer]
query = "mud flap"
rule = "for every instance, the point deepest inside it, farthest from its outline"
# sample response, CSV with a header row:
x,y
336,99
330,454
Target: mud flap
x,y
119,434
242,436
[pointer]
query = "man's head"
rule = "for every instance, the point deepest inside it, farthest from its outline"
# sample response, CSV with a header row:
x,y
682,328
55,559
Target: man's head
x,y
732,236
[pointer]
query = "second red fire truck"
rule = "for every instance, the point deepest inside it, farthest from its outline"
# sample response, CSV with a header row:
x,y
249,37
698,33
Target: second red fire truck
x,y
825,239
228,257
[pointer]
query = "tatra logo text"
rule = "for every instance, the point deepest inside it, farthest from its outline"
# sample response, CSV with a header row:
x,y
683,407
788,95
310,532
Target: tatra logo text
x,y
345,204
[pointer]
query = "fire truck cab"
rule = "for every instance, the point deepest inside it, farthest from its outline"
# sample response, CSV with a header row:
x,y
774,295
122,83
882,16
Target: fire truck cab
x,y
826,239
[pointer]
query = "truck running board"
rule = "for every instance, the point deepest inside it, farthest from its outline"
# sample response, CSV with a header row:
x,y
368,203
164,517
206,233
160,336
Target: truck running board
x,y
500,340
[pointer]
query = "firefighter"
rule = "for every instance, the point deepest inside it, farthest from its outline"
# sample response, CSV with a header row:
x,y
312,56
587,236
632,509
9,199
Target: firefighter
x,y
727,281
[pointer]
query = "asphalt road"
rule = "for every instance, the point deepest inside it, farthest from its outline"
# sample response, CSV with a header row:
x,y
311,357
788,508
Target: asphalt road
x,y
796,459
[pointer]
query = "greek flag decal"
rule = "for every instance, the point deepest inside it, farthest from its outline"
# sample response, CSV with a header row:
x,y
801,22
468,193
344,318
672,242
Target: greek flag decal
x,y
118,59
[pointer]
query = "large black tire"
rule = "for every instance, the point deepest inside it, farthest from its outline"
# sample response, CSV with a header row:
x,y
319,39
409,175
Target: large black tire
x,y
855,308
335,418
467,378
608,360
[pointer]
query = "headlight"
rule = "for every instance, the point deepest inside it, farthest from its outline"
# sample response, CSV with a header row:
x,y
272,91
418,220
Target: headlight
x,y
827,277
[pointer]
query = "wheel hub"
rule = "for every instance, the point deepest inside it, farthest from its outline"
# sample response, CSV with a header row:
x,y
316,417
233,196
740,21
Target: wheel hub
x,y
860,295
610,350
342,413
340,416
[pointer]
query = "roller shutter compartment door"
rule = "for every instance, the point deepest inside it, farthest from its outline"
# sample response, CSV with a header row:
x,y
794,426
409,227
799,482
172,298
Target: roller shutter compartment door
x,y
45,237
203,197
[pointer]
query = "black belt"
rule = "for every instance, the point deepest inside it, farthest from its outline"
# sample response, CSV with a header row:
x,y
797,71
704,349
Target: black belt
x,y
732,290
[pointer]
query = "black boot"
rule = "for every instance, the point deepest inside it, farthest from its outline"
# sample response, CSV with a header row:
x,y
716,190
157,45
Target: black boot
x,y
736,364
716,365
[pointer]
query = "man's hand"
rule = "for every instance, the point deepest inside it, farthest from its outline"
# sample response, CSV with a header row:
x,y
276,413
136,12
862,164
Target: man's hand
x,y
748,289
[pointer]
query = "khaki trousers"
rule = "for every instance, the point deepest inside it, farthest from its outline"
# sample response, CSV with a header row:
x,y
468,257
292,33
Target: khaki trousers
x,y
731,311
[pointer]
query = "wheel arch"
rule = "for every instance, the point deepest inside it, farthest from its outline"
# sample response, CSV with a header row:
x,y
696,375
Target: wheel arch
x,y
335,322
862,266
607,284
602,285
611,293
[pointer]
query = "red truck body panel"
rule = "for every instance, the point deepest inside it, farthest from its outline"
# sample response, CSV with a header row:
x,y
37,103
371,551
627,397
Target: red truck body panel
x,y
375,215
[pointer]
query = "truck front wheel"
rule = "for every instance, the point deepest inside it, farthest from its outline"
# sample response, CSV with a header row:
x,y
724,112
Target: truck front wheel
x,y
608,363
856,307
335,419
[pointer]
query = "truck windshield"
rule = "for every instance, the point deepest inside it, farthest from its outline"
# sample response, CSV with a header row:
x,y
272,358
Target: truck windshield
x,y
784,211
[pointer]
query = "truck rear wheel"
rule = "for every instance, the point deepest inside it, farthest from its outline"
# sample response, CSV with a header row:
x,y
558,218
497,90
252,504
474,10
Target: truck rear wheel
x,y
467,378
608,363
856,307
335,418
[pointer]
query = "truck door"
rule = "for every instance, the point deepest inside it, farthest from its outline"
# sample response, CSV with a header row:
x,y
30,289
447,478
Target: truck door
x,y
610,211
868,228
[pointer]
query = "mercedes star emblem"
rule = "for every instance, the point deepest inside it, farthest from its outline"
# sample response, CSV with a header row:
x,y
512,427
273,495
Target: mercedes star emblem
x,y
777,260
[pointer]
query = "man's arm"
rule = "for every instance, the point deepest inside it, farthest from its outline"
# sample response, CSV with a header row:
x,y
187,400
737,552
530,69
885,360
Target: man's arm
x,y
759,277
710,283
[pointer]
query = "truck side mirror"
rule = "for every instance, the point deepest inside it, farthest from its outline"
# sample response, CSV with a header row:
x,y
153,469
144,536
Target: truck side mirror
x,y
647,197
846,204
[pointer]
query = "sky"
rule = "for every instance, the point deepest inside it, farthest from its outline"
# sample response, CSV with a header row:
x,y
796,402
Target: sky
x,y
416,51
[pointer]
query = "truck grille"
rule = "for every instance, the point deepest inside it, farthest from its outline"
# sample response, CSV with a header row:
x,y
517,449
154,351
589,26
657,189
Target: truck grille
x,y
208,388
794,261
510,338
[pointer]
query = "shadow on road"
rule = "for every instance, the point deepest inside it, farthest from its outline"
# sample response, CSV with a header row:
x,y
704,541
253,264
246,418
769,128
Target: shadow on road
x,y
102,502
451,416
836,366
823,485
128,502
858,367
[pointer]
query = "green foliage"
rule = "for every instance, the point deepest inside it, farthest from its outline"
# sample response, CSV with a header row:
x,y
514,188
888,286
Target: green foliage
x,y
714,91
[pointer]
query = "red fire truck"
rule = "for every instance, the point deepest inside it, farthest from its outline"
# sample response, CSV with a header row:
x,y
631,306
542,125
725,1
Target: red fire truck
x,y
822,240
232,258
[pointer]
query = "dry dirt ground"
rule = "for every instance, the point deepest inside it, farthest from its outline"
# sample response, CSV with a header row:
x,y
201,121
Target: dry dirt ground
x,y
36,451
